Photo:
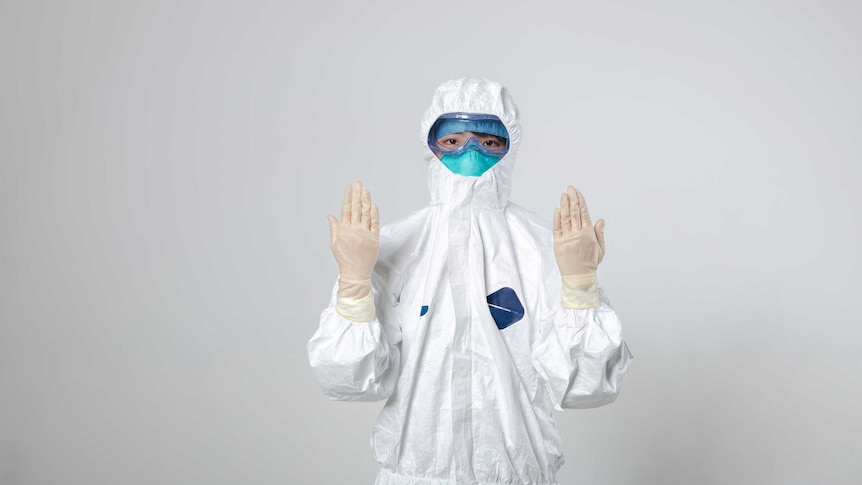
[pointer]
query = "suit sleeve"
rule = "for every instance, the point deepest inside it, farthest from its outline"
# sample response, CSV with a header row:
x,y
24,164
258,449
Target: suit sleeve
x,y
356,361
580,354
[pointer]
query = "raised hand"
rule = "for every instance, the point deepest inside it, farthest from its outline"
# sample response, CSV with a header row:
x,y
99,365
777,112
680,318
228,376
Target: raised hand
x,y
355,240
578,245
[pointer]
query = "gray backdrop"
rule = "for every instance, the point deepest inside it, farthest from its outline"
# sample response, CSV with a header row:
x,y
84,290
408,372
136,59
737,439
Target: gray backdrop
x,y
167,168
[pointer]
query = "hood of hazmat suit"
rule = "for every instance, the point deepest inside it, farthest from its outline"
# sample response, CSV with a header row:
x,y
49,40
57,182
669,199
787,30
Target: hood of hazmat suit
x,y
470,345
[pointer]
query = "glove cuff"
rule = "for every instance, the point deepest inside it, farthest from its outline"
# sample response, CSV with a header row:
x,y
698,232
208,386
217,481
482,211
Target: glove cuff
x,y
355,300
580,292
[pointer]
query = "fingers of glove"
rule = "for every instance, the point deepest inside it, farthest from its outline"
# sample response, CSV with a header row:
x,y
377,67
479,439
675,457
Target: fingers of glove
x,y
333,229
565,215
366,209
574,208
585,214
600,233
375,221
356,204
558,230
345,206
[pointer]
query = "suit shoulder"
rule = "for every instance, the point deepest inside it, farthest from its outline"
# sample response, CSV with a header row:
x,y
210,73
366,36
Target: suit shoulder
x,y
529,225
398,241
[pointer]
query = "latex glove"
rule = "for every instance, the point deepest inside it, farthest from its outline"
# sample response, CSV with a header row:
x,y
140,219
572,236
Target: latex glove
x,y
579,248
356,239
354,242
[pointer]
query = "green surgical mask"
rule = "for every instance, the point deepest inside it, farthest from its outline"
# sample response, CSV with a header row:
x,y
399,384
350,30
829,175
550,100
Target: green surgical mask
x,y
470,163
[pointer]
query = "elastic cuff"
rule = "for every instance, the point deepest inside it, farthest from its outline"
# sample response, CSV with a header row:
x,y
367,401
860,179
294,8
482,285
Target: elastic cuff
x,y
355,300
580,292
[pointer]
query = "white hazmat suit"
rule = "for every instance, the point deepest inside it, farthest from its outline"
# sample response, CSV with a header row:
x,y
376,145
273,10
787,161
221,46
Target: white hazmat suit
x,y
469,343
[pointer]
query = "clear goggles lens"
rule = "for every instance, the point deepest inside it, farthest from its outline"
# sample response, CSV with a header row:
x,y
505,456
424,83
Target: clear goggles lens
x,y
455,133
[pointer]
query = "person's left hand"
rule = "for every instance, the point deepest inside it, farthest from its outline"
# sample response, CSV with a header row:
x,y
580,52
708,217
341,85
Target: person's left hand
x,y
578,245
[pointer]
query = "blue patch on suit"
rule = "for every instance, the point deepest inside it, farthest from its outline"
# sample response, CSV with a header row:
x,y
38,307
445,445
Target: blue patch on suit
x,y
505,307
424,310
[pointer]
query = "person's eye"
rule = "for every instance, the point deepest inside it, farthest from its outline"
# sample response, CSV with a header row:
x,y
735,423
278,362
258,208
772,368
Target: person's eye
x,y
492,143
449,141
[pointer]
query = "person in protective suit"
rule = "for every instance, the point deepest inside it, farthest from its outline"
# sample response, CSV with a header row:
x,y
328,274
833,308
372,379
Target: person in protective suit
x,y
472,317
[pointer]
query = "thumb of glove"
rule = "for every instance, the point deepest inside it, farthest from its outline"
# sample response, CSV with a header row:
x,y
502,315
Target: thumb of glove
x,y
600,236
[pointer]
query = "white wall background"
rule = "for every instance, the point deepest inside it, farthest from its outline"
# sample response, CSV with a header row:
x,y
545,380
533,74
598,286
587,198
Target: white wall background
x,y
166,169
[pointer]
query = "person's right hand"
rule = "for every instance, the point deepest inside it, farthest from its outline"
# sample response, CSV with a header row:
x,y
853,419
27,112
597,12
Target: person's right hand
x,y
355,240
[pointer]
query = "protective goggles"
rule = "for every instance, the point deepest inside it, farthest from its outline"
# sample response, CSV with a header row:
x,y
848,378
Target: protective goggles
x,y
487,134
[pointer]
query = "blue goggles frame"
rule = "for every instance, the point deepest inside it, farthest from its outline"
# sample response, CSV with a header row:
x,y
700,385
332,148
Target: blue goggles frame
x,y
450,123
